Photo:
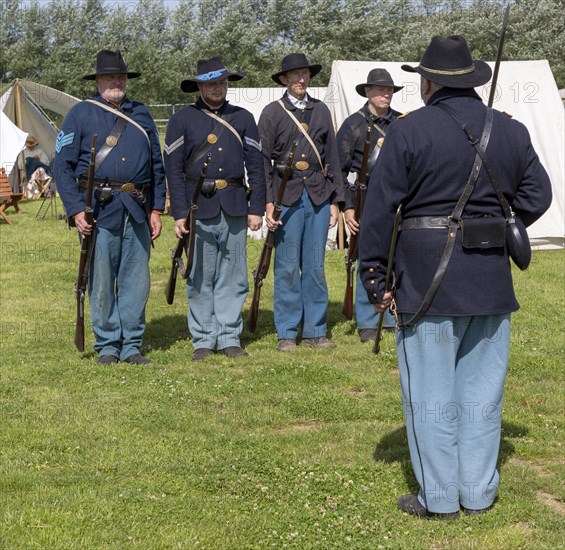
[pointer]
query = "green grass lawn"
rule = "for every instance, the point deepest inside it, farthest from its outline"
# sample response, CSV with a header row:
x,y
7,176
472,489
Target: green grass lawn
x,y
302,450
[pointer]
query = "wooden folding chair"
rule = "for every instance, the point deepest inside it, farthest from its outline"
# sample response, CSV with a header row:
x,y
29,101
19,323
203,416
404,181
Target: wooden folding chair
x,y
7,196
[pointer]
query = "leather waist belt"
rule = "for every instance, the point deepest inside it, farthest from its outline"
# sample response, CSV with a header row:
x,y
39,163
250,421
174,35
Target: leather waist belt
x,y
215,184
114,185
300,165
424,222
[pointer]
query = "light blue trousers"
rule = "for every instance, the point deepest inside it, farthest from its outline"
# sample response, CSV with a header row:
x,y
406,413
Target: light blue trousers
x,y
119,288
217,285
365,314
452,372
300,289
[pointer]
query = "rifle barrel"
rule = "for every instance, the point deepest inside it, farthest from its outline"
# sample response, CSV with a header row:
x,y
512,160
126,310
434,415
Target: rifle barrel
x,y
265,260
86,250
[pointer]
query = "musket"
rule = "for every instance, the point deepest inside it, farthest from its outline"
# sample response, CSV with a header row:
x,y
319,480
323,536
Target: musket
x,y
190,225
351,255
397,220
498,56
262,270
87,245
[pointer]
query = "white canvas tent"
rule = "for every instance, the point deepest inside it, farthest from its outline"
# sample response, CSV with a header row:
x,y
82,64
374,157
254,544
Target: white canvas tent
x,y
12,141
25,103
525,89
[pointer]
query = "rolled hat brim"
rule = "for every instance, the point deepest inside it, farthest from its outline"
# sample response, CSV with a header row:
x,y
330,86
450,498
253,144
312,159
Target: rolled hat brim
x,y
360,88
93,76
191,84
453,79
314,70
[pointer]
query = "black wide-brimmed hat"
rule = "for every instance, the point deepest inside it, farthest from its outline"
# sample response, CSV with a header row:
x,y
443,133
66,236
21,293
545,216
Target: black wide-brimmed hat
x,y
295,61
378,77
448,62
109,62
208,71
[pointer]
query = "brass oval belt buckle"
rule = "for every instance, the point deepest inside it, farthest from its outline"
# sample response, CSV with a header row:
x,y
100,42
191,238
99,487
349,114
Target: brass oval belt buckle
x,y
302,165
221,184
127,187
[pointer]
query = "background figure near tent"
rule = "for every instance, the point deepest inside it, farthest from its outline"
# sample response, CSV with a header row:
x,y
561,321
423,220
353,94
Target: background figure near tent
x,y
377,114
310,203
217,284
37,168
453,360
128,152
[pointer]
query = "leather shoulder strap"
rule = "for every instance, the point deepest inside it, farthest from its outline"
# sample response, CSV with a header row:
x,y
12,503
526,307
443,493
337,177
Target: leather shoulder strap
x,y
120,114
204,147
453,227
110,142
220,120
302,131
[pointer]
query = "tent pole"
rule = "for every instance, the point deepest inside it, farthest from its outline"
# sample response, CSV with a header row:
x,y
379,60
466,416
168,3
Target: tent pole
x,y
18,117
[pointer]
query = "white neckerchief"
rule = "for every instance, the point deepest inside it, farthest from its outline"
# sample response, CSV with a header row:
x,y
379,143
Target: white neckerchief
x,y
299,103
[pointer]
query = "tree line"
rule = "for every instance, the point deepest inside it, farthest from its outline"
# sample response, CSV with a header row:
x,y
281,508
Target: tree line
x,y
55,42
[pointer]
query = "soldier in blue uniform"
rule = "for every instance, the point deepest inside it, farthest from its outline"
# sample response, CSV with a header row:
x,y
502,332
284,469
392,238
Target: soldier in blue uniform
x,y
453,357
217,285
309,206
378,115
127,218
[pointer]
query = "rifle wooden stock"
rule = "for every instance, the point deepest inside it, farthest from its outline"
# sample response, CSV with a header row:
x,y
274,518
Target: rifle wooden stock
x,y
397,220
351,255
265,260
259,275
86,251
190,225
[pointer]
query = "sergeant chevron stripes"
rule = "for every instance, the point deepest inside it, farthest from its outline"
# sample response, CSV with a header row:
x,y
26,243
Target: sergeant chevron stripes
x,y
174,146
63,140
253,143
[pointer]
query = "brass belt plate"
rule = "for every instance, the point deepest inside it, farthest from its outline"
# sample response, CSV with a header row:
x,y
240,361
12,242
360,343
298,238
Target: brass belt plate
x,y
212,138
302,165
221,184
127,187
111,141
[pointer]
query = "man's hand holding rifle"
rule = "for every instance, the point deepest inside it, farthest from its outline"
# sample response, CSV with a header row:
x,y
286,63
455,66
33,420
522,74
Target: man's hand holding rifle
x,y
185,229
388,296
353,224
273,215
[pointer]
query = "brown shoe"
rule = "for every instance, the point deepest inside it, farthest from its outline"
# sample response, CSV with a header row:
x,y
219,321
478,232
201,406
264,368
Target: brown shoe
x,y
411,505
107,359
475,512
233,352
322,342
201,353
286,345
367,334
137,359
